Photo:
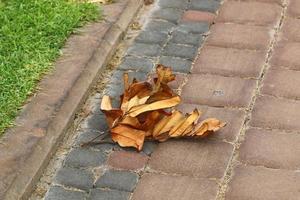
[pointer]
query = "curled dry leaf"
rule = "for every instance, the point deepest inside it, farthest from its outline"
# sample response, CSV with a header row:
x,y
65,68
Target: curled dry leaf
x,y
144,113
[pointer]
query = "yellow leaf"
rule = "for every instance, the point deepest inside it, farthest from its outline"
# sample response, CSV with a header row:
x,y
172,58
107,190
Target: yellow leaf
x,y
106,103
207,126
136,101
168,103
128,137
168,123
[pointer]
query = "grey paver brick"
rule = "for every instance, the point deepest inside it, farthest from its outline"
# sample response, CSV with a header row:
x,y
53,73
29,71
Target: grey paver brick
x,y
137,63
76,178
96,121
101,194
83,157
94,136
178,50
119,180
193,27
205,5
168,14
59,193
172,4
177,64
149,147
142,49
180,37
159,26
152,37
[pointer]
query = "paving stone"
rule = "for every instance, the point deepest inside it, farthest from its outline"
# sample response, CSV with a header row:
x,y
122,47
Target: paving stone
x,y
194,27
205,5
102,194
218,91
115,87
262,183
86,136
290,30
82,157
282,83
119,180
229,62
178,50
271,112
201,158
95,121
287,55
127,160
177,64
234,119
91,135
179,37
272,149
76,178
59,193
168,14
137,63
294,8
149,147
172,4
159,26
258,13
142,49
178,82
155,186
198,16
152,37
239,36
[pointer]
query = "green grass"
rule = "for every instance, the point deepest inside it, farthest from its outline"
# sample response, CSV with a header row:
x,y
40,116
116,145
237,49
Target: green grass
x,y
31,35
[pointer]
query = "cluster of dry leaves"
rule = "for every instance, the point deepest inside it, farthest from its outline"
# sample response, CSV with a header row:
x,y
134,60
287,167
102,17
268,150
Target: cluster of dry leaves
x,y
147,112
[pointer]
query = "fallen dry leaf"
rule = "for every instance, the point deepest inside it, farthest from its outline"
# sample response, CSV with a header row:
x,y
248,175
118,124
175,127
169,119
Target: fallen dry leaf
x,y
144,113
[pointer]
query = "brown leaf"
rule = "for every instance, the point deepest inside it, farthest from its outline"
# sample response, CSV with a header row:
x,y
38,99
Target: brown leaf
x,y
168,103
180,129
167,123
112,116
131,121
208,126
128,137
144,113
151,119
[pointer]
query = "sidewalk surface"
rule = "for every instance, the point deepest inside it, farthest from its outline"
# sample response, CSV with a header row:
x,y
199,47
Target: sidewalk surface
x,y
237,61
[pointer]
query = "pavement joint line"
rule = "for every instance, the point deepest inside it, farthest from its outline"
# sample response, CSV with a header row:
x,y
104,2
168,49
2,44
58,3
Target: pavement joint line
x,y
240,137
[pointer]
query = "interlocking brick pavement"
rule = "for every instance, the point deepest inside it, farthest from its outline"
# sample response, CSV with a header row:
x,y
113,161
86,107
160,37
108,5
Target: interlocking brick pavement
x,y
235,60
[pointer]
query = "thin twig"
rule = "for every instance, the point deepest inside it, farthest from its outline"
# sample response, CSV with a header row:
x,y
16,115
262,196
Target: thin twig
x,y
92,141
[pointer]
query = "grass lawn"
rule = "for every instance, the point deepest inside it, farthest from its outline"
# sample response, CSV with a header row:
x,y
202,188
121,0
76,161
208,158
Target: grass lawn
x,y
31,35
